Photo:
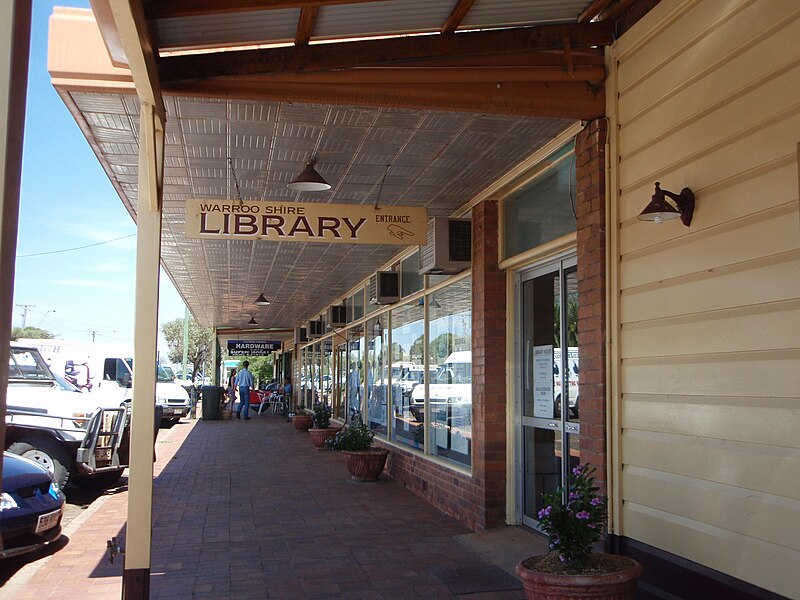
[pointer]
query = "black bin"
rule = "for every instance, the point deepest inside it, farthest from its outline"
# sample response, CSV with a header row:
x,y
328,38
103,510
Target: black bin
x,y
212,397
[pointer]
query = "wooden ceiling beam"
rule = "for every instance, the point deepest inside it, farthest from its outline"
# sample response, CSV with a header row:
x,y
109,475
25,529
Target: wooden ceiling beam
x,y
381,52
498,75
569,100
162,9
305,27
457,15
594,9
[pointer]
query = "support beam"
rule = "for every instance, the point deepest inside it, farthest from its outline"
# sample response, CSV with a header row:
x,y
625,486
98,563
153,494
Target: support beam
x,y
305,27
15,34
139,49
383,52
572,100
136,576
457,15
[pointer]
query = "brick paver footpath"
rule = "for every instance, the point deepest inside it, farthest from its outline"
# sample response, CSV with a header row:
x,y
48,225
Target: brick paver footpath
x,y
248,510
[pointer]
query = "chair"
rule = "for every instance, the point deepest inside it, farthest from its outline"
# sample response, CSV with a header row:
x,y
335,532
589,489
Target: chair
x,y
277,403
261,398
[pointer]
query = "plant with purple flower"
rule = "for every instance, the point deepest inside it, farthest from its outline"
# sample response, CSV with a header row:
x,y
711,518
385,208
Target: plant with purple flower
x,y
573,517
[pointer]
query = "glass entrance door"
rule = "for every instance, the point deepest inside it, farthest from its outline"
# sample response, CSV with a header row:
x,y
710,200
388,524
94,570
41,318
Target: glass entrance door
x,y
547,342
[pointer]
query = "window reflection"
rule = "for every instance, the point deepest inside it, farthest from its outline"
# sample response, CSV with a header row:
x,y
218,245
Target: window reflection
x,y
355,373
450,387
377,374
407,374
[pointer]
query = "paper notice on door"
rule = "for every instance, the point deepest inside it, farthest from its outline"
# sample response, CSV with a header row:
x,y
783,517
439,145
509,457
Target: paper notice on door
x,y
543,382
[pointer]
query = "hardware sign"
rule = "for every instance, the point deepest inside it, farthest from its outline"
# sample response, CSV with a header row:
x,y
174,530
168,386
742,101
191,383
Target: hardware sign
x,y
252,347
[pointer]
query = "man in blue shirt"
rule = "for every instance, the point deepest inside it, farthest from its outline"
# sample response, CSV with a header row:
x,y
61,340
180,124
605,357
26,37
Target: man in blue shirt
x,y
244,381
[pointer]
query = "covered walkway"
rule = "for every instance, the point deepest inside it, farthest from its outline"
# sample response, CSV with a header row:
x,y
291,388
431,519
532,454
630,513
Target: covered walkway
x,y
250,510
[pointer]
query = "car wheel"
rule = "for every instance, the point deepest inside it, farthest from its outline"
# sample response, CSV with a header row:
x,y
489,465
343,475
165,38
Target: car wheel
x,y
98,481
574,409
47,453
557,407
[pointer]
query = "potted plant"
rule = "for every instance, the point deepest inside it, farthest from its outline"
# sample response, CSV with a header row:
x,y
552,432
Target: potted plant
x,y
364,462
571,569
300,419
321,429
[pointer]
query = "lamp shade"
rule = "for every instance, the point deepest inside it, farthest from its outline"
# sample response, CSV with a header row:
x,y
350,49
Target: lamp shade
x,y
261,301
309,181
252,321
659,210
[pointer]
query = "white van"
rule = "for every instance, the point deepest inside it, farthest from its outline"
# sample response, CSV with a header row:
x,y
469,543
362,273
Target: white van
x,y
118,380
110,372
450,385
573,366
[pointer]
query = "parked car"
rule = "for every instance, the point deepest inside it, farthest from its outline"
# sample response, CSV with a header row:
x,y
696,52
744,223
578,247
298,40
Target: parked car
x,y
48,424
30,508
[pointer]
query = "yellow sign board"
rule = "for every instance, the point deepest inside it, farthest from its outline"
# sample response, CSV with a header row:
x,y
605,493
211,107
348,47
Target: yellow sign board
x,y
305,222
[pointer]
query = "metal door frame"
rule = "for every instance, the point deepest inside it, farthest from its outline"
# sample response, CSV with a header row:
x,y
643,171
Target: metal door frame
x,y
559,264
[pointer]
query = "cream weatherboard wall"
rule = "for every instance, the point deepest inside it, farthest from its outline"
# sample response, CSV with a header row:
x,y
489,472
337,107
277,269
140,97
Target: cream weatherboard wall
x,y
705,321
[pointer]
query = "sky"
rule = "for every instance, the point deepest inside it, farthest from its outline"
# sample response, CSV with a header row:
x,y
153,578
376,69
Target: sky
x,y
66,202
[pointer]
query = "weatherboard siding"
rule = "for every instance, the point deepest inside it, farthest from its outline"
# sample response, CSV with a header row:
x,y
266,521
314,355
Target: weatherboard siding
x,y
705,321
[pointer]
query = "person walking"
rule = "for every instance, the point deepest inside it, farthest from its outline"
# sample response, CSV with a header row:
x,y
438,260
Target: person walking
x,y
244,381
232,388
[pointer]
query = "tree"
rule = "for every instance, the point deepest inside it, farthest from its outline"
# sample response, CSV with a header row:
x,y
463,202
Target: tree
x,y
31,332
262,367
200,343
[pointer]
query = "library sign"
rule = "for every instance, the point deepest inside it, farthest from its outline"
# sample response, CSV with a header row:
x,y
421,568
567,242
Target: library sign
x,y
305,222
252,347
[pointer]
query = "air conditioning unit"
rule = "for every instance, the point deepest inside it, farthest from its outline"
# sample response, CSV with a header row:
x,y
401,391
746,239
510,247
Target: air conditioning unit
x,y
384,287
449,247
337,316
315,329
300,335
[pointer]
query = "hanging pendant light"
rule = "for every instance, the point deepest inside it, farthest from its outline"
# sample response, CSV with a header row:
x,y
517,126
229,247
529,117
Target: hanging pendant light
x,y
261,301
252,321
309,180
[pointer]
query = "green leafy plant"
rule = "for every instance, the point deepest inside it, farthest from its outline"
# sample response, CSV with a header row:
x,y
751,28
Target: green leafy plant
x,y
575,525
355,437
322,415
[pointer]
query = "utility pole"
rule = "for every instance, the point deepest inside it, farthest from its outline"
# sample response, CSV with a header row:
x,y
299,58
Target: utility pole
x,y
185,340
25,309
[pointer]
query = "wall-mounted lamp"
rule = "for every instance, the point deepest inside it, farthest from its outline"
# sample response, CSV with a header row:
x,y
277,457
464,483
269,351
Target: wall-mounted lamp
x,y
309,180
261,301
660,210
252,321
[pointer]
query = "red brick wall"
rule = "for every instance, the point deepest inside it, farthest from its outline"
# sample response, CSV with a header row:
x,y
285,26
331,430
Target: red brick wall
x,y
477,501
590,209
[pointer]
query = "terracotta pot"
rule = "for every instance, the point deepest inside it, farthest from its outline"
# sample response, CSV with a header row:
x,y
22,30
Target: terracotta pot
x,y
302,422
618,585
318,436
365,465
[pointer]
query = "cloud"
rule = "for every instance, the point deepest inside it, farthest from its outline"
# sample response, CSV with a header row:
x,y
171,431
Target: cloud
x,y
95,284
109,267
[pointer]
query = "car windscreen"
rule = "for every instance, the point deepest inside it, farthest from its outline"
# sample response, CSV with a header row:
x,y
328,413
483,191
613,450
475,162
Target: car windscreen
x,y
27,364
163,376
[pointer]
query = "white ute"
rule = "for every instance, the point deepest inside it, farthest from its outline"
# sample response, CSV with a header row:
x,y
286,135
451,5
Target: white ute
x,y
49,424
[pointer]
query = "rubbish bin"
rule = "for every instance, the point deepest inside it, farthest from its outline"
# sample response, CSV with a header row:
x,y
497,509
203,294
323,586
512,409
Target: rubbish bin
x,y
212,397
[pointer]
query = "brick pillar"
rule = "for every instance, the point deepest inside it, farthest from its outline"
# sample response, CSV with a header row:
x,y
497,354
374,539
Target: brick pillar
x,y
488,368
591,233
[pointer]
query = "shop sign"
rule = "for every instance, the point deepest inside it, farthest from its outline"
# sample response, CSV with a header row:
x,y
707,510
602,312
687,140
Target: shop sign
x,y
306,222
252,347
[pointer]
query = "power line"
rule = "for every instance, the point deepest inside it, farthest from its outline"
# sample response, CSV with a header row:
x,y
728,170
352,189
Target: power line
x,y
76,248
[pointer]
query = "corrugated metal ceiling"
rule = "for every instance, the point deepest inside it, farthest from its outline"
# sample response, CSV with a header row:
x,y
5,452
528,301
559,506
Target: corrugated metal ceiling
x,y
438,160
